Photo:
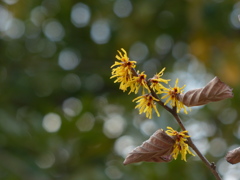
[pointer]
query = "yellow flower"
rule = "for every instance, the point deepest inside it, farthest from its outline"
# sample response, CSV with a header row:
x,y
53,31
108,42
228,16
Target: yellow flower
x,y
137,82
156,82
172,94
146,104
180,145
123,71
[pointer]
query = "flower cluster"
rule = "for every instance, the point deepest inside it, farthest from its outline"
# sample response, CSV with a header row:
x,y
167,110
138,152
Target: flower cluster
x,y
146,104
172,95
123,71
132,80
180,145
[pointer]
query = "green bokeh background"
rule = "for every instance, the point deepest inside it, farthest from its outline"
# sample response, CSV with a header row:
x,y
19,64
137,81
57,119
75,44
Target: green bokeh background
x,y
71,122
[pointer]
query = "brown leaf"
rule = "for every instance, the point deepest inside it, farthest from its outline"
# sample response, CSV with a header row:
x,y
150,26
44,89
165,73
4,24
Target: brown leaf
x,y
233,156
157,148
215,90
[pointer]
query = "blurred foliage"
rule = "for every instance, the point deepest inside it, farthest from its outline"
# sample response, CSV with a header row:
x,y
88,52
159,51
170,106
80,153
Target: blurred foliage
x,y
61,117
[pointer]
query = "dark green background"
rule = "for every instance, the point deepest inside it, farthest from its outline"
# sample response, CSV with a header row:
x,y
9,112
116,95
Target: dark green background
x,y
204,43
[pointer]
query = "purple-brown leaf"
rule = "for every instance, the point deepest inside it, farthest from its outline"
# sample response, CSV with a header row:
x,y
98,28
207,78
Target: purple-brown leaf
x,y
233,156
157,148
215,90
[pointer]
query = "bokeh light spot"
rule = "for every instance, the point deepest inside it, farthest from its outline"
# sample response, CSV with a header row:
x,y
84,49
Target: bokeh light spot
x,y
34,45
54,30
228,116
80,15
124,145
32,31
45,161
38,15
10,2
49,49
179,50
94,82
51,122
5,17
71,82
148,127
68,59
15,28
138,51
113,172
218,147
122,8
233,18
166,19
151,66
72,106
100,32
163,44
114,126
86,122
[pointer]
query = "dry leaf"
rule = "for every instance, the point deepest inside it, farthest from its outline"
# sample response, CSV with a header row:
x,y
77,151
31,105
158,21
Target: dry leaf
x,y
233,156
215,90
157,148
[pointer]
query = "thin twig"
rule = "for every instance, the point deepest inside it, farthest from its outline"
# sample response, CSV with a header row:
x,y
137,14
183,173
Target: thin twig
x,y
173,111
211,166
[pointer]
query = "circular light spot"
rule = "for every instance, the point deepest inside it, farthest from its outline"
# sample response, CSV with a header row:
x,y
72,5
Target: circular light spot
x,y
138,51
86,122
80,15
151,65
122,8
94,82
52,7
148,127
204,129
64,154
100,32
124,145
217,147
10,2
49,49
51,122
179,50
38,15
32,31
71,82
232,174
114,126
203,145
72,106
15,28
5,18
234,20
163,44
68,59
166,19
45,161
113,172
34,45
54,30
228,116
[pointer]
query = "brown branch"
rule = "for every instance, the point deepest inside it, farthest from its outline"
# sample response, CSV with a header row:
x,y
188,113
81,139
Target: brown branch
x,y
173,111
211,166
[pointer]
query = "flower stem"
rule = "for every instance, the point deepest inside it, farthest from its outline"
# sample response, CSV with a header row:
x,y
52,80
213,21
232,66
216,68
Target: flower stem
x,y
212,165
173,111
